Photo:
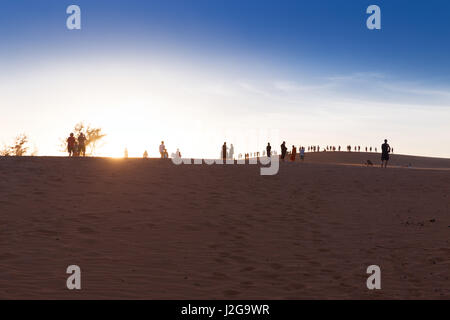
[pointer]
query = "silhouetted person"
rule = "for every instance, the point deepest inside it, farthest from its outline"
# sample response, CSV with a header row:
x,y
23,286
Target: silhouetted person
x,y
162,149
76,152
302,153
268,149
82,144
231,153
224,151
178,153
385,150
293,153
145,154
283,150
70,144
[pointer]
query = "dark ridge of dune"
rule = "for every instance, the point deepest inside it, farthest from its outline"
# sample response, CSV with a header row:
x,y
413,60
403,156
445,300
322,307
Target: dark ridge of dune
x,y
398,160
148,229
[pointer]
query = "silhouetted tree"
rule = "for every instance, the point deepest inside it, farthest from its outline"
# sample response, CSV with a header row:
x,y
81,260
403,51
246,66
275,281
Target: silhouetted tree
x,y
5,151
19,147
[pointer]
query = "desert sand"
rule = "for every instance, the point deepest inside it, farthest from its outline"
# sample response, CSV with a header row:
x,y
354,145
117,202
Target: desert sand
x,y
148,229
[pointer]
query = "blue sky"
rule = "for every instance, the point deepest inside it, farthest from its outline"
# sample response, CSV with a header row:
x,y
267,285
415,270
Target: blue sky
x,y
309,70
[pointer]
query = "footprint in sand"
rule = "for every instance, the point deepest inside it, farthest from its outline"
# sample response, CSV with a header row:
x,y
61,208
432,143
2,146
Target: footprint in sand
x,y
276,266
7,256
247,269
86,230
48,232
219,276
213,246
230,293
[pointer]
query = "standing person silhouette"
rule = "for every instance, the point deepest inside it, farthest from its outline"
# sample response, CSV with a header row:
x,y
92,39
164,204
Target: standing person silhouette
x,y
283,150
82,144
385,150
71,145
162,149
293,153
75,152
269,150
302,153
231,152
224,151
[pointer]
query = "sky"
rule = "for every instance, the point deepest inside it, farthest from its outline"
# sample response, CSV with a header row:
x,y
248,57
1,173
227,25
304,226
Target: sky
x,y
196,73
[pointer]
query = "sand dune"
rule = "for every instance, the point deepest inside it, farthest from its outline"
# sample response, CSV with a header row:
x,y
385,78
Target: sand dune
x,y
397,160
147,229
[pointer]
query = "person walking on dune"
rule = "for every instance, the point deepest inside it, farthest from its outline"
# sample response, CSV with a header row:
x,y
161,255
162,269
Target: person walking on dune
x,y
269,149
302,153
385,150
224,151
162,149
283,150
82,144
71,145
293,153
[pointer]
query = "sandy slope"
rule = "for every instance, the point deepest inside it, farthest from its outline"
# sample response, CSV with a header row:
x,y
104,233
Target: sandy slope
x,y
150,229
362,157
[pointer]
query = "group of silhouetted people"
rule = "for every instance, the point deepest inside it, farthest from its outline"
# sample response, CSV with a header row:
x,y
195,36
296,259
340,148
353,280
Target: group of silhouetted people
x,y
162,150
338,148
293,154
227,153
76,146
385,151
